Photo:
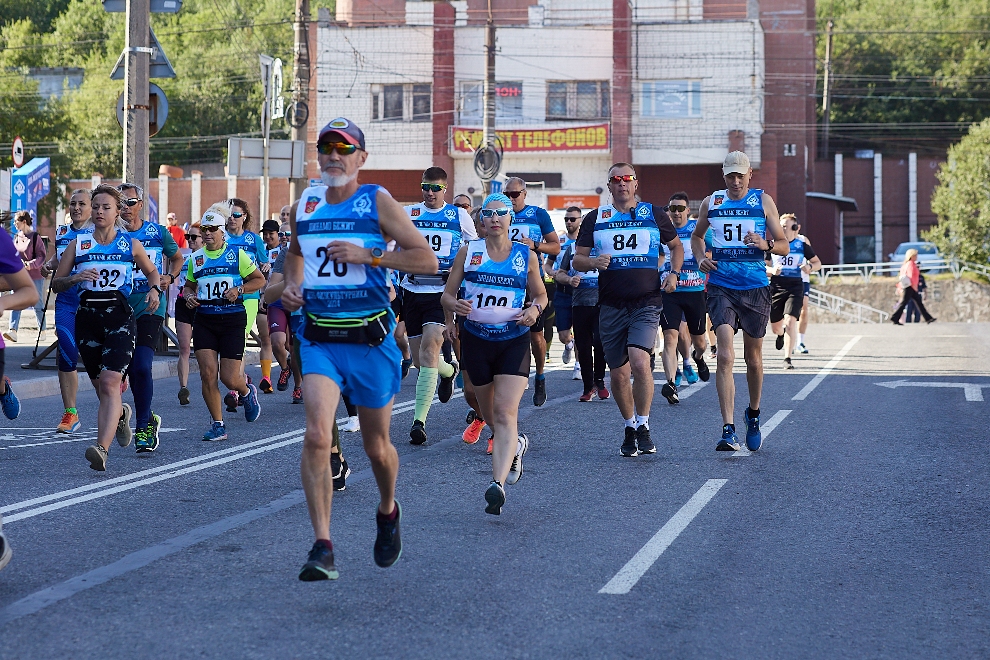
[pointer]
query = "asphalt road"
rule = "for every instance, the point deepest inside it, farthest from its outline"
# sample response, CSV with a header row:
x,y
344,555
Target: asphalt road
x,y
859,530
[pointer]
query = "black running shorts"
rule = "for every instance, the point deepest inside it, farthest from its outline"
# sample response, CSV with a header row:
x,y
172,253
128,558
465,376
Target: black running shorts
x,y
105,336
686,305
419,309
221,333
182,312
483,359
786,297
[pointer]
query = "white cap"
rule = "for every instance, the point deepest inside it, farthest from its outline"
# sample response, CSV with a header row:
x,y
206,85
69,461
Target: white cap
x,y
213,219
737,162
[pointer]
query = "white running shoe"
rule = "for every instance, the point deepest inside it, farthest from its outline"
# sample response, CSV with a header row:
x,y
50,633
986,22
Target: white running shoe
x,y
352,425
577,372
568,353
516,469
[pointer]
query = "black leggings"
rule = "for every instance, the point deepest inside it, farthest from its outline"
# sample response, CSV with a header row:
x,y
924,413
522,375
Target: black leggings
x,y
586,338
910,294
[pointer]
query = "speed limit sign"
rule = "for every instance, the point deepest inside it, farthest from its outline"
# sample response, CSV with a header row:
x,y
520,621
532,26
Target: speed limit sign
x,y
18,151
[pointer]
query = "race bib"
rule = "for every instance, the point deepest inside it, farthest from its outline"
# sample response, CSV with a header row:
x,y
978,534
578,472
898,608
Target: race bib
x,y
492,306
155,254
214,287
521,231
440,240
625,242
112,276
728,244
321,271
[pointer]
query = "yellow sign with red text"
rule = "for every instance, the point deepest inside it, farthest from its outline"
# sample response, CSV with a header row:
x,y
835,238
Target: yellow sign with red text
x,y
574,138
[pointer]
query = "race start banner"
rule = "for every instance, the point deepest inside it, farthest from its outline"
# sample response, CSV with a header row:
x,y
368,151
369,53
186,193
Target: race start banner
x,y
465,140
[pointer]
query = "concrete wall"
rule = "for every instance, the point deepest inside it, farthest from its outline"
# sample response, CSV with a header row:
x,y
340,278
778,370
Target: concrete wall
x,y
948,300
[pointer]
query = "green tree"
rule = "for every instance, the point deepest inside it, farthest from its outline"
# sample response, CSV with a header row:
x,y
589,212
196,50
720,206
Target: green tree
x,y
962,199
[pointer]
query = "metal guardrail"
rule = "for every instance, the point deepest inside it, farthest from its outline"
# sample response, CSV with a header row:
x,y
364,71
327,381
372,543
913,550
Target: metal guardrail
x,y
853,311
891,268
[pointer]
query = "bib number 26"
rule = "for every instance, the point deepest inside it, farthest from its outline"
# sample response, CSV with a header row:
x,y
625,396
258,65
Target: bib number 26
x,y
330,268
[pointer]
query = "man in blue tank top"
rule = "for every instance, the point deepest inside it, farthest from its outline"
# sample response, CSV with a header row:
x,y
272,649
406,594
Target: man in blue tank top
x,y
336,271
746,226
787,286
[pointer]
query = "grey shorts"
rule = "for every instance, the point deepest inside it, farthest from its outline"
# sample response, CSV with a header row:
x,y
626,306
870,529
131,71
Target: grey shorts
x,y
622,328
746,309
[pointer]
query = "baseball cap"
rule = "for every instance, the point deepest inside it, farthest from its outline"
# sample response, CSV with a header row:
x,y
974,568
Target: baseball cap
x,y
346,129
737,162
212,219
271,225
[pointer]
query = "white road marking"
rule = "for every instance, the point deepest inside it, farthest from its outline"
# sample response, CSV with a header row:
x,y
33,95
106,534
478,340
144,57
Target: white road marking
x,y
770,425
51,442
826,370
973,391
635,568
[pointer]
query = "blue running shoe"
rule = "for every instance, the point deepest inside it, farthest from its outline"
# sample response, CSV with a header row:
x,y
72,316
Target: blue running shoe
x,y
252,407
406,363
754,438
729,441
9,402
678,377
215,433
691,376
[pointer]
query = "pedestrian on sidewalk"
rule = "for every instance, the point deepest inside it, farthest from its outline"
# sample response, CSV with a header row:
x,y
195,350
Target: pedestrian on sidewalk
x,y
31,250
908,278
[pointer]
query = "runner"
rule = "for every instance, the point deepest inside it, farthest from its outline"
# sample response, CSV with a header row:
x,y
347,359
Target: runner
x,y
738,288
685,306
787,286
103,264
218,278
185,316
269,234
159,245
281,325
24,294
239,235
335,271
475,419
585,311
806,278
563,294
626,237
445,227
533,227
66,303
498,276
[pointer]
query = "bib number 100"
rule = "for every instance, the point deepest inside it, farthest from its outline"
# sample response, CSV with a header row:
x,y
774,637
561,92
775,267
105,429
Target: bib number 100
x,y
491,301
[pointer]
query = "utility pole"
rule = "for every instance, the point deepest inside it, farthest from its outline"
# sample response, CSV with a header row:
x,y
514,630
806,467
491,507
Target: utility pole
x,y
488,125
827,91
300,82
136,103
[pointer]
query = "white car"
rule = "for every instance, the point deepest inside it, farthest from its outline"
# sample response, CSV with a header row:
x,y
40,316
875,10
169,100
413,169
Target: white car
x,y
927,252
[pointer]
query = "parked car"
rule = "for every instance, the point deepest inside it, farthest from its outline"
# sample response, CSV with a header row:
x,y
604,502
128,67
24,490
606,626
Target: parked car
x,y
927,252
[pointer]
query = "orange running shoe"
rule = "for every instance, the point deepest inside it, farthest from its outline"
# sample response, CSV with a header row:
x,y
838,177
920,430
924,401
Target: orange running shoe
x,y
473,432
69,424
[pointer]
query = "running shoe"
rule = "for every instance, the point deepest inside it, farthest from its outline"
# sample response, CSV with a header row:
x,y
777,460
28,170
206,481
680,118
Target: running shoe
x,y
319,565
11,336
472,415
146,439
215,433
802,349
352,425
516,469
252,407
417,434
587,396
669,392
931,320
5,552
729,440
70,423
283,379
643,440
539,392
97,457
388,543
9,402
787,363
472,433
266,386
704,373
628,448
231,400
406,363
602,391
714,352
124,433
297,396
340,471
491,439
446,388
576,374
690,375
183,396
678,377
568,353
495,496
779,343
754,437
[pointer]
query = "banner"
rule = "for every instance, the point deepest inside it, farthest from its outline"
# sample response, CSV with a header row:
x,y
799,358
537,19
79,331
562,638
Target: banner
x,y
574,138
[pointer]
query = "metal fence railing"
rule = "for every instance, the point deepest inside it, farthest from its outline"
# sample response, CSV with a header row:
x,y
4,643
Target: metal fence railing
x,y
890,269
853,311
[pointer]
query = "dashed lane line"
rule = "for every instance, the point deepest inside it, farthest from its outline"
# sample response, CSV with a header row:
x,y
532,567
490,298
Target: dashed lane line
x,y
826,370
767,428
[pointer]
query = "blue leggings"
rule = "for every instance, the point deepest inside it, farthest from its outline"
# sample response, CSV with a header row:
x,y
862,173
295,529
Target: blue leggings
x,y
65,331
142,380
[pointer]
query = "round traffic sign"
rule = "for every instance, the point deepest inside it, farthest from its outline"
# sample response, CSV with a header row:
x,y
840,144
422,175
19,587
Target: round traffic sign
x,y
157,112
18,151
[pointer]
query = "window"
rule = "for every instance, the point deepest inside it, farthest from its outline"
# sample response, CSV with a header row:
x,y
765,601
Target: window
x,y
859,249
578,100
401,102
508,100
671,99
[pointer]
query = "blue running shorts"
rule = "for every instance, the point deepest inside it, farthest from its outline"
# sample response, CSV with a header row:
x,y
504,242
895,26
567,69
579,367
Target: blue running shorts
x,y
370,376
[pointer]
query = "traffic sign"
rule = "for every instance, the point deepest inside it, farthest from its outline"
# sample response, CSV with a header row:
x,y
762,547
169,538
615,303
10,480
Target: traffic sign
x,y
157,6
158,67
157,112
18,151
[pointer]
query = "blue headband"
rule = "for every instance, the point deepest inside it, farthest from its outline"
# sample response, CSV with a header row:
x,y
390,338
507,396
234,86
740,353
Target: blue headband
x,y
499,197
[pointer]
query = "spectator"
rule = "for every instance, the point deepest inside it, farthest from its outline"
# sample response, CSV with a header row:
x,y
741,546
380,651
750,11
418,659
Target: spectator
x,y
908,278
31,250
178,233
911,313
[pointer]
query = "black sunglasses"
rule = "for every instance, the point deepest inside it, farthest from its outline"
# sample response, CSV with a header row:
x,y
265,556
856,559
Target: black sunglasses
x,y
133,201
571,219
677,208
237,214
210,228
285,234
192,237
512,194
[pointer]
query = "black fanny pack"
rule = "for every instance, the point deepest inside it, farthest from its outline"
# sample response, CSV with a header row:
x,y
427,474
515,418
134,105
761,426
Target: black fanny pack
x,y
440,279
371,330
102,299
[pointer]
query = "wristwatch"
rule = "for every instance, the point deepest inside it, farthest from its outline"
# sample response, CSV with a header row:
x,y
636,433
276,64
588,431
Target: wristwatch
x,y
157,288
376,257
